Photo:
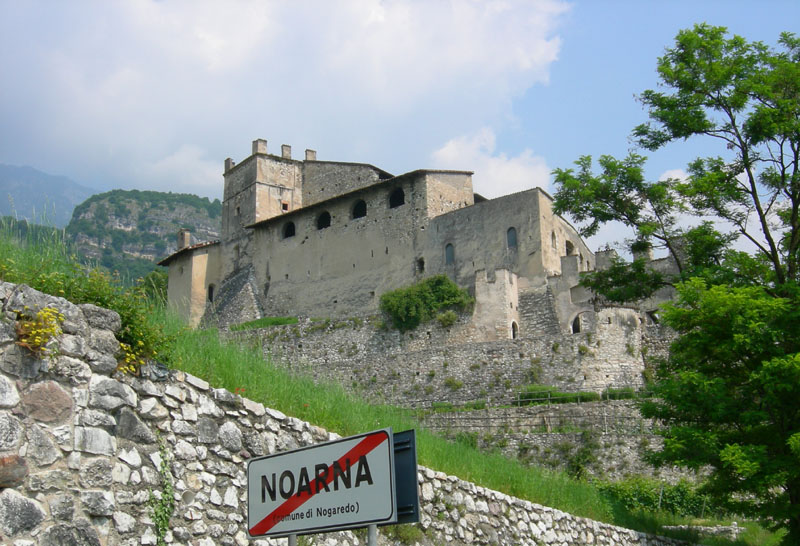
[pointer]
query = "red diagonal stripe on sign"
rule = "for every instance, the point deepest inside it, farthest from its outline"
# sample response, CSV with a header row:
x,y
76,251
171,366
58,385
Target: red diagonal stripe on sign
x,y
295,501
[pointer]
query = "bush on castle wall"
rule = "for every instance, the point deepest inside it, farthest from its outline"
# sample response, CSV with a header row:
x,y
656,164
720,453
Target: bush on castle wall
x,y
409,307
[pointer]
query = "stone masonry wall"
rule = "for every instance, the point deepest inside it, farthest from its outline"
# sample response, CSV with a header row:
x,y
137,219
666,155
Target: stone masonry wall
x,y
435,364
79,453
613,431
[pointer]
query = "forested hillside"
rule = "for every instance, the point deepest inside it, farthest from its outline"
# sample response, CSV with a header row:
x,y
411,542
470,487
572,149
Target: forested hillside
x,y
129,230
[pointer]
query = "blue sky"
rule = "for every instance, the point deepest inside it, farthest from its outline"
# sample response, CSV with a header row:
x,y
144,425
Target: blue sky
x,y
155,95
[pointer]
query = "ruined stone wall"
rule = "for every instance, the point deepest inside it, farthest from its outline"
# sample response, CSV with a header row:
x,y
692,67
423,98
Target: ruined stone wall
x,y
79,453
434,364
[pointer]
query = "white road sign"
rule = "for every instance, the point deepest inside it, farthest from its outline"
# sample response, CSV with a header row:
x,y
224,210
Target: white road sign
x,y
342,484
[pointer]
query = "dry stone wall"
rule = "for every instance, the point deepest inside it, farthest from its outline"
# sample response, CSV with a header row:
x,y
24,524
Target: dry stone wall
x,y
79,454
615,434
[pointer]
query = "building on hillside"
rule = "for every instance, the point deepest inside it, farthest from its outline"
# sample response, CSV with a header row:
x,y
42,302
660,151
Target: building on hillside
x,y
325,238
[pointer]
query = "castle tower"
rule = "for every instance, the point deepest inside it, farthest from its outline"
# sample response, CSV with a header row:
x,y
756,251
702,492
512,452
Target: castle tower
x,y
262,186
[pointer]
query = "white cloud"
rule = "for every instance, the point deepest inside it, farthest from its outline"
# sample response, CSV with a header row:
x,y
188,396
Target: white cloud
x,y
674,174
398,52
495,173
108,88
187,170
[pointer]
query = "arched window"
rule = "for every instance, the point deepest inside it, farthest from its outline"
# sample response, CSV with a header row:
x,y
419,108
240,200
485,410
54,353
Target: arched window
x,y
514,330
359,209
288,230
211,293
553,241
449,254
397,198
576,325
569,248
511,237
421,265
324,220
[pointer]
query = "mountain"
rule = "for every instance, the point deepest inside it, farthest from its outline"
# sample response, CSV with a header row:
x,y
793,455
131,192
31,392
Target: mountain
x,y
30,194
128,230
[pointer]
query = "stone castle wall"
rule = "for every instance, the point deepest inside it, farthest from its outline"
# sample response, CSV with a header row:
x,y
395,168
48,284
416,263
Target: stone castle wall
x,y
79,451
436,364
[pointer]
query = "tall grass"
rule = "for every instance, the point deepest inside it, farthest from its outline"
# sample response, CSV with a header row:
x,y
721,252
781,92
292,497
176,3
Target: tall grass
x,y
43,261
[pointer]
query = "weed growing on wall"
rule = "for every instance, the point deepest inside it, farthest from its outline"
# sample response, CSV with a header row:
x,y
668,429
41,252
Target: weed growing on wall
x,y
37,332
162,506
409,307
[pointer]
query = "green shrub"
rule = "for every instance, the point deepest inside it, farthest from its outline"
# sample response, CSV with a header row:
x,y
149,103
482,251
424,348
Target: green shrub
x,y
409,307
447,319
639,493
452,383
543,394
625,393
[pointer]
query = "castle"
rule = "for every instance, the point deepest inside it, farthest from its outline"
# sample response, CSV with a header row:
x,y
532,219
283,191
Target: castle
x,y
313,238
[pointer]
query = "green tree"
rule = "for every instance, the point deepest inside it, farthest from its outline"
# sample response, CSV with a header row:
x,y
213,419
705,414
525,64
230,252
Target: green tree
x,y
729,390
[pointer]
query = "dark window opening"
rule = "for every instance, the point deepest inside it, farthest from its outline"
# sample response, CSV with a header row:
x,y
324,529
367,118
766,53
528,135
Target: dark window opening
x,y
511,237
284,206
324,220
397,198
238,211
570,248
576,325
449,254
420,264
288,230
514,330
359,209
211,293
